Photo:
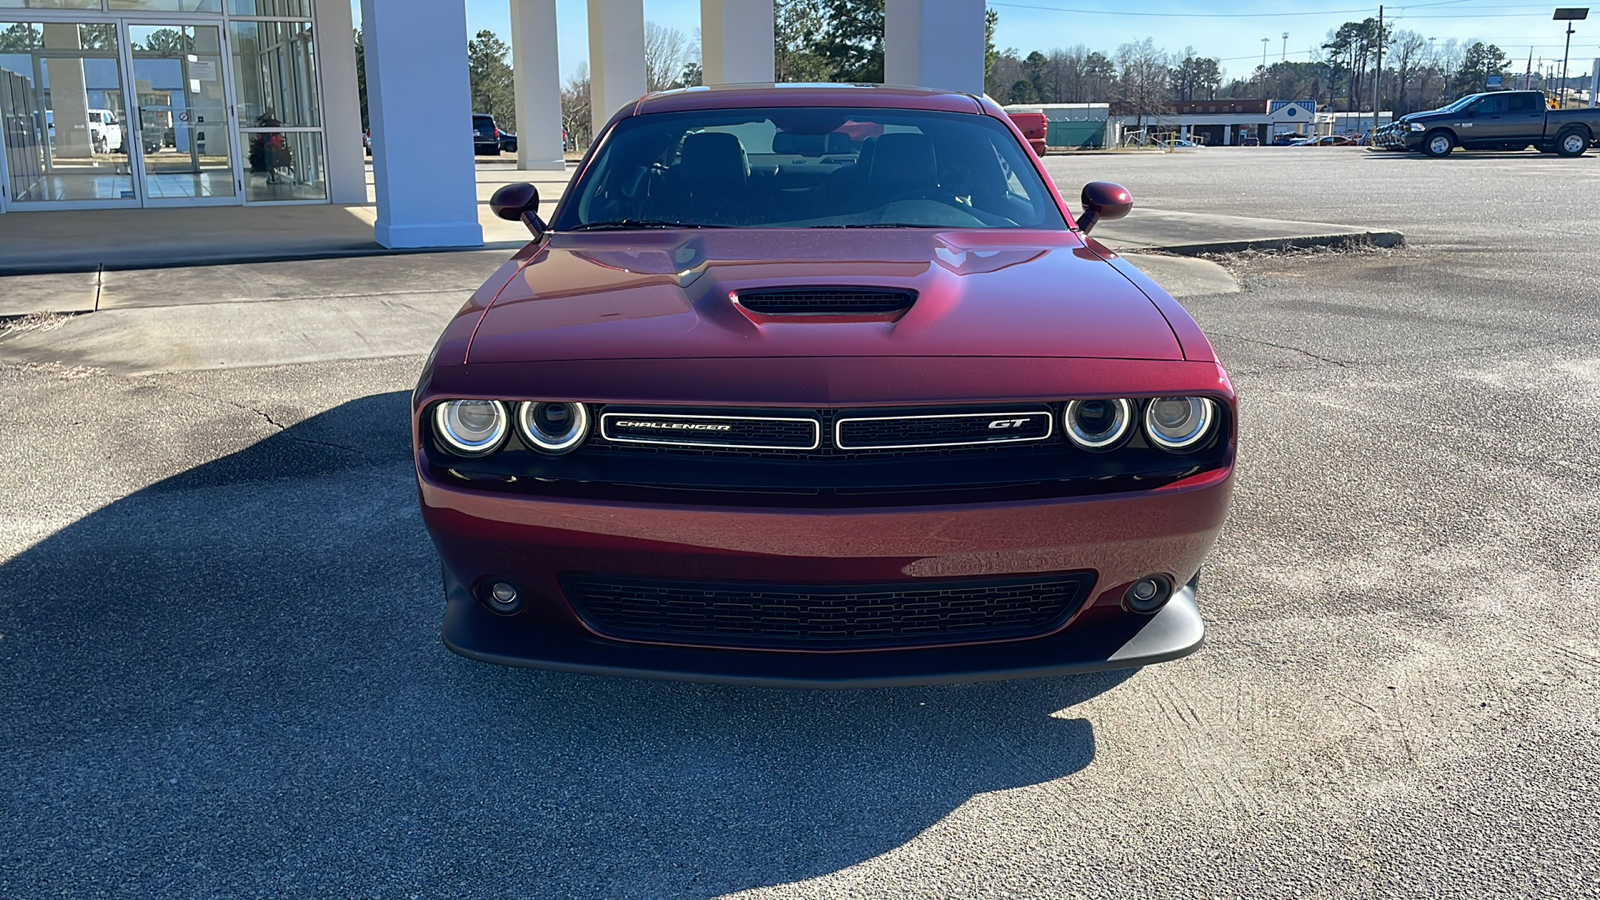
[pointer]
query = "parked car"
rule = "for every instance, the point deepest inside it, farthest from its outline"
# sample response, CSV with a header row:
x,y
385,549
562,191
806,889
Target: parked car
x,y
880,416
485,135
1034,127
105,132
1286,139
1250,140
1496,120
508,142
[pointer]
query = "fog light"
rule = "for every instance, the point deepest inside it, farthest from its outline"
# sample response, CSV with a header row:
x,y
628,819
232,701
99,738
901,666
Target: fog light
x,y
502,597
1148,594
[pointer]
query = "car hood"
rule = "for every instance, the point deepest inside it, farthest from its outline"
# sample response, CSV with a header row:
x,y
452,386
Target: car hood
x,y
667,295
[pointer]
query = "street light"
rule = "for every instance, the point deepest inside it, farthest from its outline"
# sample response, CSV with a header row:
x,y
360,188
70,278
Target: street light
x,y
1286,46
1568,14
1264,63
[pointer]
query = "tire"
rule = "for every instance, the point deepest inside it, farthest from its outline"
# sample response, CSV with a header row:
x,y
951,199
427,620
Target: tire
x,y
1438,144
1572,142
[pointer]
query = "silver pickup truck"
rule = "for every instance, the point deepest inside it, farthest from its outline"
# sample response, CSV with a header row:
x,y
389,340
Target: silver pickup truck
x,y
1498,120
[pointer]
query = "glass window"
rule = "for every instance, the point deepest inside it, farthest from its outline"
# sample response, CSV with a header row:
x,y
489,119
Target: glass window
x,y
275,75
812,168
205,6
65,135
49,4
285,165
286,8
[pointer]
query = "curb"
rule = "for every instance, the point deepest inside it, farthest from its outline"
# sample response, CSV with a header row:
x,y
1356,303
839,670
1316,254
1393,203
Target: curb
x,y
1381,239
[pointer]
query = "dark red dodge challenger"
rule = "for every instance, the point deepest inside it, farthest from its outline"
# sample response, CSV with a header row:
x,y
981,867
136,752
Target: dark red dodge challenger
x,y
821,385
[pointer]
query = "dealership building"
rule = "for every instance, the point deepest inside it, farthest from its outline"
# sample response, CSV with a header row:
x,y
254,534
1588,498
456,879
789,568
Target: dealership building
x,y
180,103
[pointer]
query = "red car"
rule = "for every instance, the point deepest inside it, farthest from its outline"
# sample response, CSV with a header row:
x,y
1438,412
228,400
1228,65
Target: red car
x,y
1033,127
821,386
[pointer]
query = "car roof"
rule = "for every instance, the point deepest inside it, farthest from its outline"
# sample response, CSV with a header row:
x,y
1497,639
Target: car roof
x,y
755,96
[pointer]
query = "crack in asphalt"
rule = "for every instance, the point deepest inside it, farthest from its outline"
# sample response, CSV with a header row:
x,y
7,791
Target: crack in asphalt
x,y
282,428
1343,364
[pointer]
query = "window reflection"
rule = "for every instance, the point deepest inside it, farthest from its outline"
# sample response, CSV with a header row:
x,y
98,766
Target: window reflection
x,y
270,8
62,113
275,74
285,165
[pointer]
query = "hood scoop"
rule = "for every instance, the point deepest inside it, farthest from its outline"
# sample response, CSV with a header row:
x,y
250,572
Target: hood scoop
x,y
826,301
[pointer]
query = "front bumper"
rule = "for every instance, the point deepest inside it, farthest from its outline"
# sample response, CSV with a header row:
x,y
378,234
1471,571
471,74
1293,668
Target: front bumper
x,y
485,536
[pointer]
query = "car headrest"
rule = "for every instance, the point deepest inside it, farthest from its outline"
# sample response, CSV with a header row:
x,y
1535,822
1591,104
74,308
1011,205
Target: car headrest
x,y
837,142
714,157
903,161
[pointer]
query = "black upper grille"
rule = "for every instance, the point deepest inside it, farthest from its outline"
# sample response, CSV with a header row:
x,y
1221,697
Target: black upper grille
x,y
903,432
824,617
826,301
714,431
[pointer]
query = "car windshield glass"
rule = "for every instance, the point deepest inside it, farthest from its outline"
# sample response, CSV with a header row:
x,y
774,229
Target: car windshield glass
x,y
1456,106
811,168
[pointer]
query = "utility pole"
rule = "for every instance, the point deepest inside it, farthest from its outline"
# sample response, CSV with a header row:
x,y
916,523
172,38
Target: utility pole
x,y
1264,64
1377,75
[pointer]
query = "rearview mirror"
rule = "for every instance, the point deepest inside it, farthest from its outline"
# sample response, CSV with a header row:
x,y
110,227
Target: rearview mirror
x,y
519,203
1103,200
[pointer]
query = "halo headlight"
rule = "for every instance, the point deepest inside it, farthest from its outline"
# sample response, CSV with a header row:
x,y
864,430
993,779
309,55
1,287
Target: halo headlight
x,y
1176,424
1097,425
471,427
553,427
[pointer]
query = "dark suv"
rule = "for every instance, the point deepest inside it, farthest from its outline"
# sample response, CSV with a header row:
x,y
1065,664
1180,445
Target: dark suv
x,y
485,135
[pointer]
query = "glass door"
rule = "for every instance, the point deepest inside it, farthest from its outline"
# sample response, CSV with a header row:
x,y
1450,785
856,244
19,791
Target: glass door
x,y
62,108
185,139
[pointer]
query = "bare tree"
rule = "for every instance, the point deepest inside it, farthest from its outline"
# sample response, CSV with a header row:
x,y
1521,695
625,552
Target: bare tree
x,y
575,119
1409,50
666,52
1143,77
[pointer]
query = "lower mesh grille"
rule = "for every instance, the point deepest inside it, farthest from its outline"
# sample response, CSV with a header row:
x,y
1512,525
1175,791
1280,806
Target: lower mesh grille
x,y
823,617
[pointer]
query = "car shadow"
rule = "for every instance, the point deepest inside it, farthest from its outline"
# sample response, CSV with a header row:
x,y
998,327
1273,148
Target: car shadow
x,y
231,682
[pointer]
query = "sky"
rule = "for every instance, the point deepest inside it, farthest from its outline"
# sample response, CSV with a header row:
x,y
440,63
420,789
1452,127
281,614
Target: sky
x,y
1230,32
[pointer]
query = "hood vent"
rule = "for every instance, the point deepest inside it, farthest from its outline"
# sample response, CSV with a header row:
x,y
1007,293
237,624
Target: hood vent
x,y
826,301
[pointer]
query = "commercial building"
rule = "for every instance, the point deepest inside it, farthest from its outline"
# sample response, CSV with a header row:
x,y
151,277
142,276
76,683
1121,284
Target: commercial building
x,y
139,103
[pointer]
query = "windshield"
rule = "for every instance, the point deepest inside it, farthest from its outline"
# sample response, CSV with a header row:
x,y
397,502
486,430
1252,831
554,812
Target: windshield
x,y
810,168
1456,106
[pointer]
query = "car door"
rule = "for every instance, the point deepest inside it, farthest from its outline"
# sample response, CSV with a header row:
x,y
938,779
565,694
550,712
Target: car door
x,y
1524,117
1487,119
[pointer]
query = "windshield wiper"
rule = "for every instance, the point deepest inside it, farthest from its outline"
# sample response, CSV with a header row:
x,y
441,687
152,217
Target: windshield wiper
x,y
639,223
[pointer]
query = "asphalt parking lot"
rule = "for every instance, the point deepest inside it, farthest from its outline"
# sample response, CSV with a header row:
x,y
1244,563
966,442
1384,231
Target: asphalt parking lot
x,y
220,672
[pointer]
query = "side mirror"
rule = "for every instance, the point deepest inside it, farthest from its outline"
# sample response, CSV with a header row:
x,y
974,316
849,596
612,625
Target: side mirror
x,y
519,203
1103,200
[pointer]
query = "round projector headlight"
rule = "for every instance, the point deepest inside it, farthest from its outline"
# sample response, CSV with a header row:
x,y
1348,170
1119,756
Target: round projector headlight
x,y
1097,425
471,427
1178,423
553,427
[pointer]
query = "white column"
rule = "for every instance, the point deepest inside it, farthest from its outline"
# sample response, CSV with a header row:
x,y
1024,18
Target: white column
x,y
1594,85
341,103
616,57
537,73
736,41
934,43
419,103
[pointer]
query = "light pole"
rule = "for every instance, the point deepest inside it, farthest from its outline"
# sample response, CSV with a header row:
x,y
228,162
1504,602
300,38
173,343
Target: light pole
x,y
1264,65
1568,14
1285,46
